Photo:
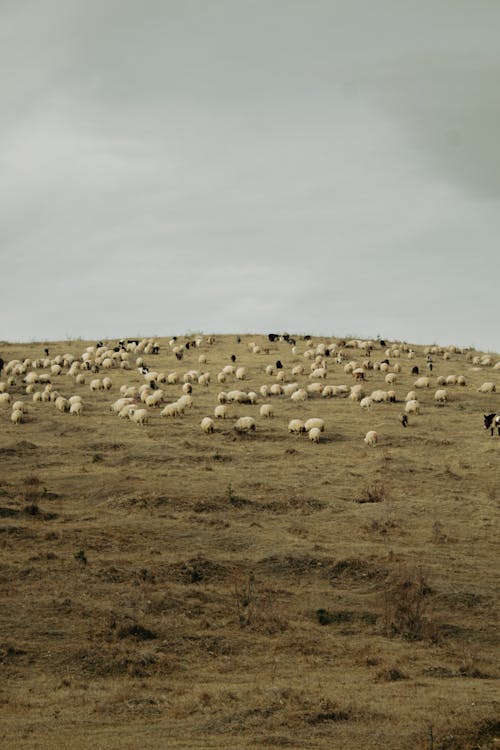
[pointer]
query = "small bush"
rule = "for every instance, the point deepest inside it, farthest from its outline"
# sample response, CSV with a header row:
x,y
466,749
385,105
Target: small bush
x,y
407,601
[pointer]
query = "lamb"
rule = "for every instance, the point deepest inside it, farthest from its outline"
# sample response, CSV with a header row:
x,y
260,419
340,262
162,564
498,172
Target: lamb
x,y
207,425
296,426
314,434
412,407
245,424
371,438
266,410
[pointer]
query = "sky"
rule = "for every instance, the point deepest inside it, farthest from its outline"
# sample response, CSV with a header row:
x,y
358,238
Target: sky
x,y
328,167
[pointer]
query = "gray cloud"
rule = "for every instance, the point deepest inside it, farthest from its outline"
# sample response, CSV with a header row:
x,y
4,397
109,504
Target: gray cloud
x,y
315,166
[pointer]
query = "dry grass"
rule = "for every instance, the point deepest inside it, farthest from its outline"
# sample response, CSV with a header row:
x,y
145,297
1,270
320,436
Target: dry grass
x,y
166,588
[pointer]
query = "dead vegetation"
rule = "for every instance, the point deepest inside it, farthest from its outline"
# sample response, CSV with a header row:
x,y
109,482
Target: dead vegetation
x,y
249,591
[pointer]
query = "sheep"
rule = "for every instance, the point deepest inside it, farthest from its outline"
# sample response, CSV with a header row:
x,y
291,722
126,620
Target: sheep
x,y
16,417
296,426
118,405
403,418
241,373
441,396
107,384
18,406
207,425
314,422
76,408
366,403
125,410
221,411
412,407
290,388
204,379
314,434
356,393
371,438
300,395
327,391
411,396
315,388
185,401
266,410
275,390
245,424
74,399
221,377
379,396
139,416
80,379
441,380
96,385
62,404
451,380
390,378
264,391
222,397
269,370
461,380
297,370
37,396
422,382
487,388
228,370
172,410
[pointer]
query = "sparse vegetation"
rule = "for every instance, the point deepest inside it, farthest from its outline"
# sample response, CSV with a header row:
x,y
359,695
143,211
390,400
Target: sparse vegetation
x,y
265,592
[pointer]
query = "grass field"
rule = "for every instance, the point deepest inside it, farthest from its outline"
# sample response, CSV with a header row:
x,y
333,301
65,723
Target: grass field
x,y
166,588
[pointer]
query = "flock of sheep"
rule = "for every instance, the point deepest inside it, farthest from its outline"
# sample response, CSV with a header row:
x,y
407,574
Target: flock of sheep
x,y
300,377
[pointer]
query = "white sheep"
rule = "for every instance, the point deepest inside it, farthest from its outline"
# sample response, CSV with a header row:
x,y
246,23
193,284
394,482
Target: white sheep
x,y
207,425
315,422
487,388
241,373
245,424
379,396
221,411
300,395
314,434
80,379
172,410
441,396
185,401
139,416
18,406
371,438
411,396
296,426
423,382
461,380
266,410
76,408
412,407
275,390
16,417
96,385
62,404
366,403
4,398
107,384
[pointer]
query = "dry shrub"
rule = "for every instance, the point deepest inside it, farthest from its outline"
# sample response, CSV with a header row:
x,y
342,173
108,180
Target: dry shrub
x,y
407,605
375,492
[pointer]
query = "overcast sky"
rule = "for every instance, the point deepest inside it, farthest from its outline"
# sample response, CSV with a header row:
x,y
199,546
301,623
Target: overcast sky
x,y
317,166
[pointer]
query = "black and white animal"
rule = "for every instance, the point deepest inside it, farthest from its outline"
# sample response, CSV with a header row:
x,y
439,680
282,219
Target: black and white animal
x,y
491,421
415,370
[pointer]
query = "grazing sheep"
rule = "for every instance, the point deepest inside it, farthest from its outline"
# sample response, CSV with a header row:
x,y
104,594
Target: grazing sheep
x,y
18,406
275,390
487,388
315,388
366,403
76,408
403,418
391,397
138,416
314,422
390,378
411,396
379,396
266,410
185,401
371,438
107,384
207,425
245,424
461,380
423,382
62,404
300,395
4,398
314,434
412,407
172,410
16,417
96,385
221,411
441,396
241,373
451,380
80,379
296,426
441,380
